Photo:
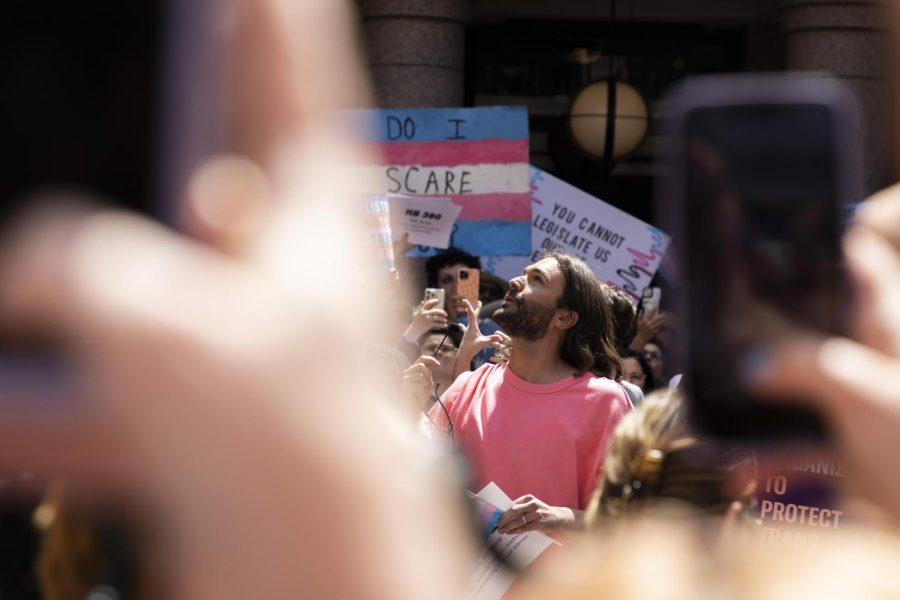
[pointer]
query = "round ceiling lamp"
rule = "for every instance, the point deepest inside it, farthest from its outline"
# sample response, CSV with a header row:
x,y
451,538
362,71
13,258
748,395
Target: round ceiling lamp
x,y
591,124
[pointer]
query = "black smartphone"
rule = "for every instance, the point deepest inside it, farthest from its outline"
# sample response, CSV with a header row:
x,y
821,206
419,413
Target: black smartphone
x,y
79,114
105,100
759,170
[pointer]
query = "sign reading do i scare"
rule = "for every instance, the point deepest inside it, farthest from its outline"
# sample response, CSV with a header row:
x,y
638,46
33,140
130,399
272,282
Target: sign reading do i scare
x,y
621,249
478,157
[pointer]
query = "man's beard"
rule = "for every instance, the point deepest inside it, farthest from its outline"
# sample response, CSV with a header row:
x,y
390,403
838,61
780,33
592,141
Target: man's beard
x,y
525,320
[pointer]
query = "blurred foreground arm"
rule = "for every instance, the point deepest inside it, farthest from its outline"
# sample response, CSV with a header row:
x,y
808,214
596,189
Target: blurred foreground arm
x,y
856,383
215,379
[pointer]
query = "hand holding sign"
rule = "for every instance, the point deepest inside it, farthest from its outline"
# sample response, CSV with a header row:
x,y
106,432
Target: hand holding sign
x,y
427,221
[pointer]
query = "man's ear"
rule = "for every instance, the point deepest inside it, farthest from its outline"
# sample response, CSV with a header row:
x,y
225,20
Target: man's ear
x,y
566,318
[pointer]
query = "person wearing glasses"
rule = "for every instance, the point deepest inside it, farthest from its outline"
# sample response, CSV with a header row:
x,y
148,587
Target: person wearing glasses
x,y
441,271
442,345
538,425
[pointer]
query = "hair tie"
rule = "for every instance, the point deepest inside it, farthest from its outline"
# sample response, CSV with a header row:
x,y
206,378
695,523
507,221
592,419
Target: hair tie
x,y
645,471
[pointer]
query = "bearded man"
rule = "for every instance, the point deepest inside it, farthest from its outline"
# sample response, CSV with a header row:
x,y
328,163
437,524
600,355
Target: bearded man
x,y
538,425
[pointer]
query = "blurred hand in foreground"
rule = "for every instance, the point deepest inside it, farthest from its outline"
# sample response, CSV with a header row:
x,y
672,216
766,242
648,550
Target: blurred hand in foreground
x,y
855,383
473,340
215,377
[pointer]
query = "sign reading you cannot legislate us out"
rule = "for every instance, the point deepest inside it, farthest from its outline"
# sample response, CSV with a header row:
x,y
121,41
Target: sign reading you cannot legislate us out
x,y
621,249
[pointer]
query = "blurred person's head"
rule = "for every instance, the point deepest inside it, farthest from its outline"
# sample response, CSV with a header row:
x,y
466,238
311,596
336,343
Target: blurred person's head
x,y
637,371
442,344
559,299
653,354
87,547
624,315
655,558
442,271
654,460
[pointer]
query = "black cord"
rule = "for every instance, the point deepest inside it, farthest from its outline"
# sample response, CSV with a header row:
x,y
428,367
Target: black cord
x,y
437,399
437,396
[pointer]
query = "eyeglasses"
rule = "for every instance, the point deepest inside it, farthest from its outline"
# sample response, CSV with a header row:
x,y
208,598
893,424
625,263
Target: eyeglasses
x,y
435,350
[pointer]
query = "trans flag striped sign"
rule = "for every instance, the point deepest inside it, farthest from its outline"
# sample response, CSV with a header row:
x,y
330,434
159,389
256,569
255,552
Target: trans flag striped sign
x,y
477,157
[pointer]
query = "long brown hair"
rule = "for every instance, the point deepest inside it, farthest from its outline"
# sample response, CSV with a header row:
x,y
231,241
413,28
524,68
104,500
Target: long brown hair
x,y
588,345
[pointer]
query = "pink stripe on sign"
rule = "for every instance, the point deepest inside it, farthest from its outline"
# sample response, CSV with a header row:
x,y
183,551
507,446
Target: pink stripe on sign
x,y
450,153
502,207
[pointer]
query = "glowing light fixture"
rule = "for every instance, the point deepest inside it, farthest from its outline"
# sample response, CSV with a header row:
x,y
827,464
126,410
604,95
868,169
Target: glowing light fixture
x,y
608,122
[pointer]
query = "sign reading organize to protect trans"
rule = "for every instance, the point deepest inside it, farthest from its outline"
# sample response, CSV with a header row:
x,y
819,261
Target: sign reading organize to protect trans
x,y
478,157
621,249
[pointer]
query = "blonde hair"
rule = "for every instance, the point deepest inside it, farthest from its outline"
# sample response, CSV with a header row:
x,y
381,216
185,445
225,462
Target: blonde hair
x,y
669,559
652,457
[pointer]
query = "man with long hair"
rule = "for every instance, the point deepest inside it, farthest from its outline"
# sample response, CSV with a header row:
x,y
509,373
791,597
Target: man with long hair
x,y
538,425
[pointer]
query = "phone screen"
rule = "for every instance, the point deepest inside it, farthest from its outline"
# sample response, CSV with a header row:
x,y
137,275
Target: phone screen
x,y
762,247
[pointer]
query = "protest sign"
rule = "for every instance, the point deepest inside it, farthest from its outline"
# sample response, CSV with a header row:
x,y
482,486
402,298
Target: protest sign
x,y
621,249
377,211
799,507
428,221
478,157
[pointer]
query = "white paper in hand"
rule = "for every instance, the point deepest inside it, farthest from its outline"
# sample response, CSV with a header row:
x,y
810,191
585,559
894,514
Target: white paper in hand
x,y
489,579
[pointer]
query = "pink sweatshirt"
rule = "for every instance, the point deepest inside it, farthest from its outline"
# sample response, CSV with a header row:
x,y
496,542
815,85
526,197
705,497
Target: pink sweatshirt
x,y
545,440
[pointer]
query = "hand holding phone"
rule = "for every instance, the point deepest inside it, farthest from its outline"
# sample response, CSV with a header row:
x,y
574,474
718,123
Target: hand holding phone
x,y
650,299
436,293
430,314
468,282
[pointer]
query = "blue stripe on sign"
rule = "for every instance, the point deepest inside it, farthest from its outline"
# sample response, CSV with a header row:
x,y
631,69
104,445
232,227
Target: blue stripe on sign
x,y
492,523
493,238
441,124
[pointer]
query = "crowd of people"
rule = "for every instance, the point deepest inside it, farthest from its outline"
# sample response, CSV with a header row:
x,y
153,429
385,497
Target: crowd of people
x,y
247,417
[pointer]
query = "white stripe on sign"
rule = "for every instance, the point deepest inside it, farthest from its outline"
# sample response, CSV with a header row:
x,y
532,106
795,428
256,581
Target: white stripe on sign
x,y
444,181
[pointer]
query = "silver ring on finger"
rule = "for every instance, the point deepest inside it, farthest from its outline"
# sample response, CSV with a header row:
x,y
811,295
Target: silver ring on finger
x,y
524,520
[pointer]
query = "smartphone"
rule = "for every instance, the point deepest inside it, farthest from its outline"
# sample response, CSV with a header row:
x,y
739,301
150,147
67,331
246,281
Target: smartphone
x,y
468,282
438,293
761,168
113,117
650,299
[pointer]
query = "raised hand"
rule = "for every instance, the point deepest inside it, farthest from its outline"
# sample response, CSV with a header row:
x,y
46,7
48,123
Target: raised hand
x,y
648,325
425,316
473,340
